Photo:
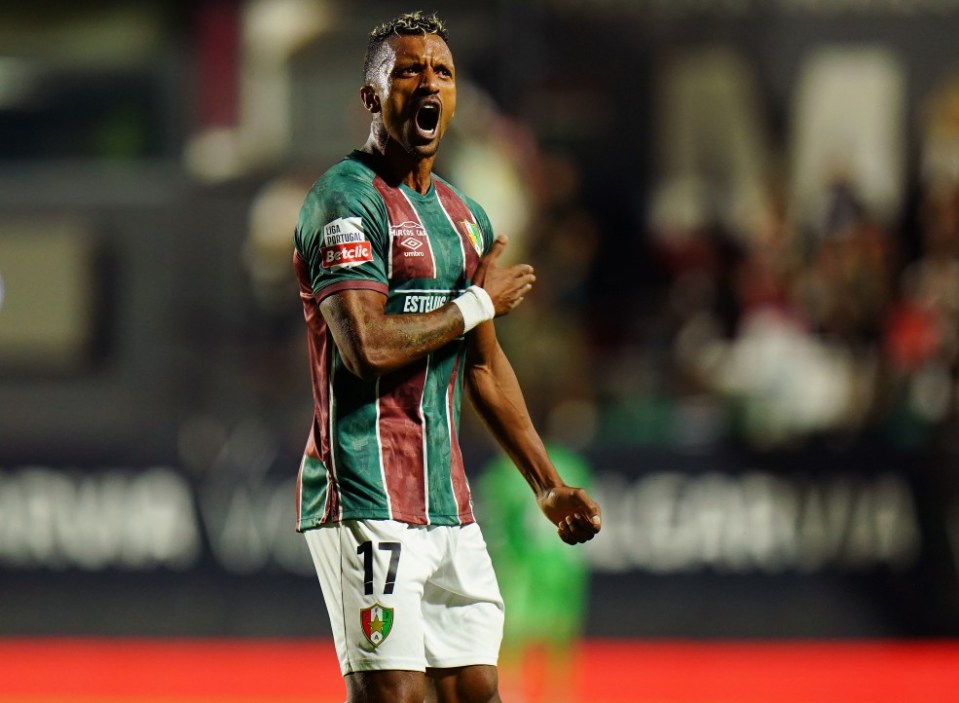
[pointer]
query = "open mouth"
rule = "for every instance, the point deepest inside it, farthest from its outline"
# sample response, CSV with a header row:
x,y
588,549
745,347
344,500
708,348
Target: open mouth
x,y
427,119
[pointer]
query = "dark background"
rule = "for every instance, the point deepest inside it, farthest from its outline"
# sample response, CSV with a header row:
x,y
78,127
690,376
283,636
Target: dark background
x,y
153,370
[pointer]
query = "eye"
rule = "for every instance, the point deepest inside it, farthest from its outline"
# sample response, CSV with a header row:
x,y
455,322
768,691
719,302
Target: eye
x,y
410,70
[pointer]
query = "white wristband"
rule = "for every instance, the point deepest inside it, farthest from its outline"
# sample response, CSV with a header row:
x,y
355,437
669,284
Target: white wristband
x,y
476,306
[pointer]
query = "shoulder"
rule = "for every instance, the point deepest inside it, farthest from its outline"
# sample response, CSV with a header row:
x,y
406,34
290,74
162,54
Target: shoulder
x,y
349,181
344,192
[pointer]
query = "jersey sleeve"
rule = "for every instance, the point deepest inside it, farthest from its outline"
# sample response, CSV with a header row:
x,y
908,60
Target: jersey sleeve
x,y
343,237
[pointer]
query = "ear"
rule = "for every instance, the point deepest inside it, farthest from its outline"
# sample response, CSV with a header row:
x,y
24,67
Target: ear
x,y
371,100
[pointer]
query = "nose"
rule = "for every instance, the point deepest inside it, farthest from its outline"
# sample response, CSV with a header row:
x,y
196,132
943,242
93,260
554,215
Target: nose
x,y
428,81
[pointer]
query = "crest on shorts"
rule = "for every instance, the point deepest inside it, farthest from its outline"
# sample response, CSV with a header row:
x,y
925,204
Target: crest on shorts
x,y
377,621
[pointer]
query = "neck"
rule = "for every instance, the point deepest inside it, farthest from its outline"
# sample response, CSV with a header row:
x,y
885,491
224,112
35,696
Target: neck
x,y
398,165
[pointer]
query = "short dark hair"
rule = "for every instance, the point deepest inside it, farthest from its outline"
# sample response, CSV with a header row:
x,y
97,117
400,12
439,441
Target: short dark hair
x,y
406,24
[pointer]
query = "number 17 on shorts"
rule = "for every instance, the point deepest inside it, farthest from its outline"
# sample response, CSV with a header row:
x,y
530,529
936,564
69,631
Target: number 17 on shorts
x,y
371,594
408,596
377,620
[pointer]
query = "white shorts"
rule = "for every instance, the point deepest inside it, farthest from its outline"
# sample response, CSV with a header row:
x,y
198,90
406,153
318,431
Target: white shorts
x,y
408,597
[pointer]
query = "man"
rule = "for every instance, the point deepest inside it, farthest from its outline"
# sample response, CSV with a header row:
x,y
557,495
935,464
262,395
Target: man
x,y
399,281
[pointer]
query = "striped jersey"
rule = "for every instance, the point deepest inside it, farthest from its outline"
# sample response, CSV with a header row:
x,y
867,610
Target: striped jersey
x,y
385,448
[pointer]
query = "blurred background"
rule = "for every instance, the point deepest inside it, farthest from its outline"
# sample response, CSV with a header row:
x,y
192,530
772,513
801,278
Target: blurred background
x,y
744,216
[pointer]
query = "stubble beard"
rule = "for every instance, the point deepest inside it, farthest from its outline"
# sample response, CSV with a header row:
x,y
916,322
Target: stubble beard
x,y
382,136
424,151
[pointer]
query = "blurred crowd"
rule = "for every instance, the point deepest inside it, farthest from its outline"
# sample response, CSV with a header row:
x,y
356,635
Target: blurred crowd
x,y
787,280
806,287
781,267
809,288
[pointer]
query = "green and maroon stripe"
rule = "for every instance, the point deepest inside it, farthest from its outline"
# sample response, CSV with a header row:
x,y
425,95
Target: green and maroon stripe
x,y
402,432
458,481
459,215
313,468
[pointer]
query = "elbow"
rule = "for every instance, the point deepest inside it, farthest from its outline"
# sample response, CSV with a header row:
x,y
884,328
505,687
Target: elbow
x,y
481,383
365,363
361,334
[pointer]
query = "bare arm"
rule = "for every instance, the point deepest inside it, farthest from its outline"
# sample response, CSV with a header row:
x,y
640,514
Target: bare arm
x,y
498,399
373,343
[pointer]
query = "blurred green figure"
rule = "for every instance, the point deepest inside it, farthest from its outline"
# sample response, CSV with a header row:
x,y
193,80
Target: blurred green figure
x,y
544,583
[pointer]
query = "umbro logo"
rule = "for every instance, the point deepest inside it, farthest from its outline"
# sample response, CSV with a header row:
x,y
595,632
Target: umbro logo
x,y
411,246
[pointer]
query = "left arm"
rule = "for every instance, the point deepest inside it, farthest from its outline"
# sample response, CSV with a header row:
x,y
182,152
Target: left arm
x,y
496,395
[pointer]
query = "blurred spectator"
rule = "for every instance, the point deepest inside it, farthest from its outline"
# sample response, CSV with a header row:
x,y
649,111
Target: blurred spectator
x,y
940,138
848,127
534,196
544,584
268,249
778,298
921,334
848,280
547,334
713,145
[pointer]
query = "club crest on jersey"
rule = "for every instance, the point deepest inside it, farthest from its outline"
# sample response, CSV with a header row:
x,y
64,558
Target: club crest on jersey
x,y
345,244
474,235
377,622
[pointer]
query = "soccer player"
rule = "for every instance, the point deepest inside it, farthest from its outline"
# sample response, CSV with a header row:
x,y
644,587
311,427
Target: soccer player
x,y
400,285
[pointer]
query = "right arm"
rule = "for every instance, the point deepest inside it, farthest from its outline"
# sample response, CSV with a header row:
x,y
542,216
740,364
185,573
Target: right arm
x,y
373,343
